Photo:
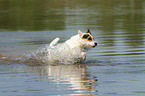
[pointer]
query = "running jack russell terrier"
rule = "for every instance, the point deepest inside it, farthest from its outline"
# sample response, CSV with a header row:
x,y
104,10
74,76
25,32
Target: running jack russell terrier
x,y
81,42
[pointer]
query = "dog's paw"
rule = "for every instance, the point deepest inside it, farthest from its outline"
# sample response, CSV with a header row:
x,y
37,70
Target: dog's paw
x,y
83,56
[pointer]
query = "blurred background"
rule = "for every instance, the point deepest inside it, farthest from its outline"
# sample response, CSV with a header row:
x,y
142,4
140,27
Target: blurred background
x,y
37,15
117,25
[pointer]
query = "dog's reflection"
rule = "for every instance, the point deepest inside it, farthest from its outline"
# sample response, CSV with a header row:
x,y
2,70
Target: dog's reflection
x,y
75,76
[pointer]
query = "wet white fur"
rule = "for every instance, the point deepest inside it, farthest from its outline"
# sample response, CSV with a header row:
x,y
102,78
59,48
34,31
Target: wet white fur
x,y
75,42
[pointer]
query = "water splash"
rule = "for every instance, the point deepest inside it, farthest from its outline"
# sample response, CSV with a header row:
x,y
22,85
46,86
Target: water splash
x,y
61,53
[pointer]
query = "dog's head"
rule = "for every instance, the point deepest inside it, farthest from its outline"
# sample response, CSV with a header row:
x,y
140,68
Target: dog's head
x,y
87,39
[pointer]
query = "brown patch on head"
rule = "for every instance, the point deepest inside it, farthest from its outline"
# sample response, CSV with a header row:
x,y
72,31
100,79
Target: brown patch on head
x,y
88,37
85,36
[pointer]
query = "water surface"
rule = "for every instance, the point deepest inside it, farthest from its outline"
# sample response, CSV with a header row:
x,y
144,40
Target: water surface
x,y
116,67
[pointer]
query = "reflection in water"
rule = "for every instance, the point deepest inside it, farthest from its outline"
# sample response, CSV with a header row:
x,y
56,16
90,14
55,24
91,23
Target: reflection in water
x,y
67,77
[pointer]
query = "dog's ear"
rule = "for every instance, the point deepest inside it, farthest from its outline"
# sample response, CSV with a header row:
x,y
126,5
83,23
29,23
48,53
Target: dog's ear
x,y
89,31
80,33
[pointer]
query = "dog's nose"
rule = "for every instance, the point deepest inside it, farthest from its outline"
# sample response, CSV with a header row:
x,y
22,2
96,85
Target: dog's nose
x,y
95,44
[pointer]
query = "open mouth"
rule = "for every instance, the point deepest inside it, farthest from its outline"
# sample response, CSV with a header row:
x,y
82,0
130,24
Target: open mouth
x,y
92,46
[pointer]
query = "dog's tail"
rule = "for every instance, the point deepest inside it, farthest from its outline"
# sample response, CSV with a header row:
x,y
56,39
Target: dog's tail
x,y
54,42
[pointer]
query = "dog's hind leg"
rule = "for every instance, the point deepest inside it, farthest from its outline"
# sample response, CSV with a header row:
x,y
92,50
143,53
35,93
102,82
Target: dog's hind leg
x,y
54,42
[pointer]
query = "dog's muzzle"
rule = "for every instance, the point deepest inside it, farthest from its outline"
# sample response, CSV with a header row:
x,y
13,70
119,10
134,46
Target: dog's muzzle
x,y
95,45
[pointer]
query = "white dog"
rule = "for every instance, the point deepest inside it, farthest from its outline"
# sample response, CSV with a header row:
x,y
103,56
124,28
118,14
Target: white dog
x,y
76,46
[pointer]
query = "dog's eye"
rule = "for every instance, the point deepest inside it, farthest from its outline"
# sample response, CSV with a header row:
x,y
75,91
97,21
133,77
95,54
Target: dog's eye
x,y
85,36
90,38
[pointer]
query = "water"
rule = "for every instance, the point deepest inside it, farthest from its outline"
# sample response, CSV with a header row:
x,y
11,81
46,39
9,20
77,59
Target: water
x,y
116,67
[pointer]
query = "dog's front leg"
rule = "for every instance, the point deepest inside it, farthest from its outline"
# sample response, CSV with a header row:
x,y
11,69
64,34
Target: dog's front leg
x,y
83,56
